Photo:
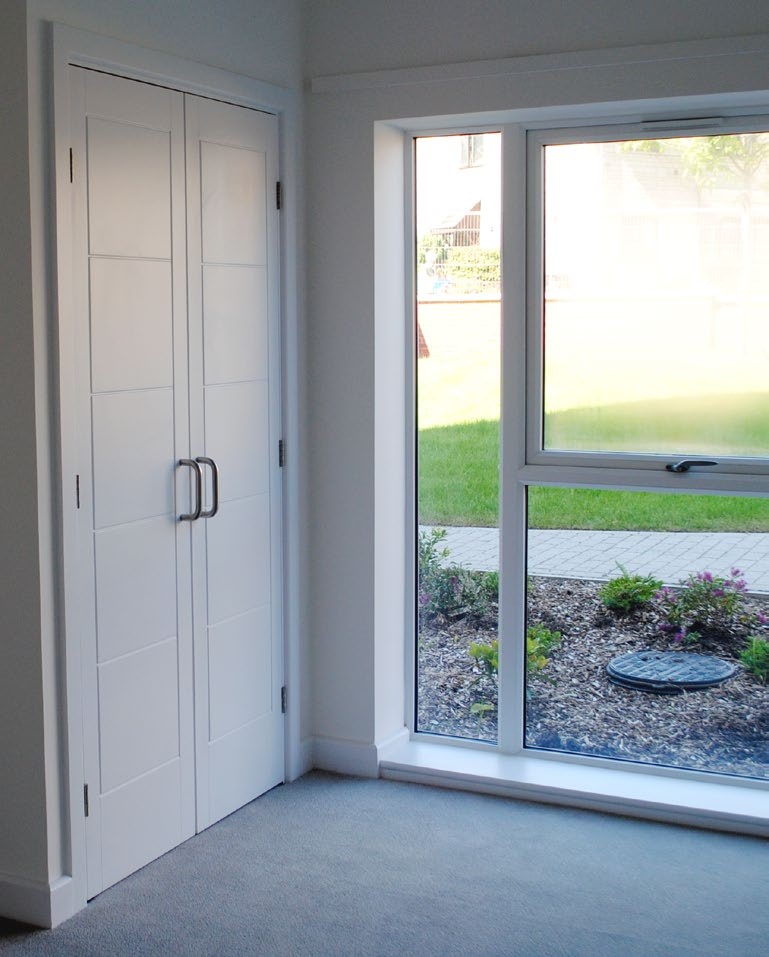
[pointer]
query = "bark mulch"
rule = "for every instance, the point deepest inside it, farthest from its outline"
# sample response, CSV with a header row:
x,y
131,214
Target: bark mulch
x,y
571,704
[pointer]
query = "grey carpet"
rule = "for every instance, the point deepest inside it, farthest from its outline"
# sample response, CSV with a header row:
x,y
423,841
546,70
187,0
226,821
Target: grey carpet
x,y
331,865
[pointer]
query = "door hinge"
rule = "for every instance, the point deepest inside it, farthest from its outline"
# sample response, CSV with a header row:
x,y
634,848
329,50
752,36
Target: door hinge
x,y
85,799
71,166
279,195
283,700
281,453
77,490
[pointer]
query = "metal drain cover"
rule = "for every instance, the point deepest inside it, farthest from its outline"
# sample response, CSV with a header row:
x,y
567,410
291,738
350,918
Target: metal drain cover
x,y
668,672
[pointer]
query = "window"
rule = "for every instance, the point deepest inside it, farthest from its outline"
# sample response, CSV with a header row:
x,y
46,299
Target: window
x,y
638,365
458,412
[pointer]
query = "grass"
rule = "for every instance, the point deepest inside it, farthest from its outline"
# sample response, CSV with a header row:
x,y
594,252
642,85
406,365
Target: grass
x,y
458,485
724,425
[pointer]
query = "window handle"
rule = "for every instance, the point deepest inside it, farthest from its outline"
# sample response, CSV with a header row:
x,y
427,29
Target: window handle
x,y
204,460
685,464
193,516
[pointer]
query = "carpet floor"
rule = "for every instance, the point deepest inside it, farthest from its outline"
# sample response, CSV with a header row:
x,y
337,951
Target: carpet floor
x,y
332,865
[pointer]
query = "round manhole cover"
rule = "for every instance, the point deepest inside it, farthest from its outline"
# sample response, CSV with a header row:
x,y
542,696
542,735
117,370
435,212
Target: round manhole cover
x,y
668,672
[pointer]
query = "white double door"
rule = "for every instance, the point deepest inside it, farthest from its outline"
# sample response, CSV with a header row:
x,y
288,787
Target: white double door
x,y
175,251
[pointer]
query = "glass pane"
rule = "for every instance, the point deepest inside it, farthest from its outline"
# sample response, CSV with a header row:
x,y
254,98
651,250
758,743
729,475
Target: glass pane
x,y
458,349
656,294
647,628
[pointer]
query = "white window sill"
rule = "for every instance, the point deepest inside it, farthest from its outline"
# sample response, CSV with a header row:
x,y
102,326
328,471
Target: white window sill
x,y
723,804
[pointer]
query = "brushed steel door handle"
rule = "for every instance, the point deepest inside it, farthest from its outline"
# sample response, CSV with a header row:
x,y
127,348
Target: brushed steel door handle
x,y
210,512
193,516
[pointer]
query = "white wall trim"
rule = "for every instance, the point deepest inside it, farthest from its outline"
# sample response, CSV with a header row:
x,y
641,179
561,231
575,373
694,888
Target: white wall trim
x,y
545,63
36,902
711,804
71,46
393,745
345,757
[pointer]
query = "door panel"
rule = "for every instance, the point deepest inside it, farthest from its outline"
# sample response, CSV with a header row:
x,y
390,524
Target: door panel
x,y
235,323
133,455
132,324
241,765
141,822
232,251
240,686
135,586
233,186
139,717
133,423
129,190
242,454
238,558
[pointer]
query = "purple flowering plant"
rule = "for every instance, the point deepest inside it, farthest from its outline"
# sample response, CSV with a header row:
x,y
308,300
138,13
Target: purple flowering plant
x,y
706,603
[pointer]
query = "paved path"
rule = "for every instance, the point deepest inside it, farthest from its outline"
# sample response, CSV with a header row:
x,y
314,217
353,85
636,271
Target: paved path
x,y
669,556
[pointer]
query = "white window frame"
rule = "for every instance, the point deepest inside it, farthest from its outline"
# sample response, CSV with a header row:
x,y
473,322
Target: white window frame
x,y
509,767
733,473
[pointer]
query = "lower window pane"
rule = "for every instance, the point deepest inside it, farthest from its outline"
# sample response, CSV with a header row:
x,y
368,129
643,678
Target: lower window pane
x,y
648,628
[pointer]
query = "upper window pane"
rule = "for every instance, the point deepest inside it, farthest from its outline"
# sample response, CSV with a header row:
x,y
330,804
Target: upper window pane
x,y
656,296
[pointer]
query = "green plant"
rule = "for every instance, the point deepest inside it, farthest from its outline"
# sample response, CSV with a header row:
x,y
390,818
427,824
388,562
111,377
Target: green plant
x,y
472,269
432,249
705,603
540,641
449,591
627,593
756,657
487,655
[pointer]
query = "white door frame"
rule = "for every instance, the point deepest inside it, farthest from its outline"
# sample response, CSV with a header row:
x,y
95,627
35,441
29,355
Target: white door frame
x,y
80,48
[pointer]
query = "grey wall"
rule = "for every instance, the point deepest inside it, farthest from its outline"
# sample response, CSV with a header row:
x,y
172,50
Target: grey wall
x,y
22,800
348,36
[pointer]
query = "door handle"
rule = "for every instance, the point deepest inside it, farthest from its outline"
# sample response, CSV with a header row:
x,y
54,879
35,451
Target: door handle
x,y
204,460
198,491
685,464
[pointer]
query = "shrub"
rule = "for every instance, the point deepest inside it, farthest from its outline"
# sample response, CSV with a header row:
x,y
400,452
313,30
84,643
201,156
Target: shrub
x,y
627,593
472,268
705,603
756,657
539,642
449,591
487,655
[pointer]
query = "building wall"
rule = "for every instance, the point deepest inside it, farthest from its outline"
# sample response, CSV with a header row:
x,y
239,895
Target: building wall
x,y
354,393
259,38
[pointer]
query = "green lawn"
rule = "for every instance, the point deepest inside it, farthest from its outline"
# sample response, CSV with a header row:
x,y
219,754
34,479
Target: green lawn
x,y
458,485
723,424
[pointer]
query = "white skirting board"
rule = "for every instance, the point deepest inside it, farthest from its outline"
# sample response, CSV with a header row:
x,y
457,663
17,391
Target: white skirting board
x,y
354,757
36,902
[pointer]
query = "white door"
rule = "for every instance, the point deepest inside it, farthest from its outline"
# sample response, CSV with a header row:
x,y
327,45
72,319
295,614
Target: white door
x,y
234,406
181,628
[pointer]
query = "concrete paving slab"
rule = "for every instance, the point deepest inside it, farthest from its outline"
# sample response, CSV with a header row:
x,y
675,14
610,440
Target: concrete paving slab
x,y
596,555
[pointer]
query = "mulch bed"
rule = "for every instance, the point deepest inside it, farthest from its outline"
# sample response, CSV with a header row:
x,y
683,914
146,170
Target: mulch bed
x,y
571,704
